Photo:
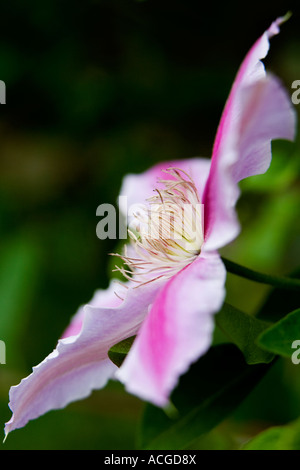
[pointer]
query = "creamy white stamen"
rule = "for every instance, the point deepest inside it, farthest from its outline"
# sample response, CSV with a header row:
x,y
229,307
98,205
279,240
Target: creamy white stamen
x,y
167,233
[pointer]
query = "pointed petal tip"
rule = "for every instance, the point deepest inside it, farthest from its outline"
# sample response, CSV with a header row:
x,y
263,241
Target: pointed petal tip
x,y
7,429
275,26
5,435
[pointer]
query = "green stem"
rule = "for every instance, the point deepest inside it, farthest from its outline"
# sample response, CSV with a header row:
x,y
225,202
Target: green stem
x,y
276,281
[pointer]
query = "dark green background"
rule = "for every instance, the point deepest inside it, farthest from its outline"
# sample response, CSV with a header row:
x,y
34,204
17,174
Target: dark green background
x,y
97,89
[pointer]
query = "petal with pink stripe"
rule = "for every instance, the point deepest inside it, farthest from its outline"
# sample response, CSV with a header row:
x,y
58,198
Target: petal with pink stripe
x,y
258,110
177,330
80,363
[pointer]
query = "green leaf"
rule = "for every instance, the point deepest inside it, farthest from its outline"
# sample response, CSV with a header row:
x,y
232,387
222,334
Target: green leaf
x,y
206,395
19,269
277,438
120,350
243,330
264,242
279,337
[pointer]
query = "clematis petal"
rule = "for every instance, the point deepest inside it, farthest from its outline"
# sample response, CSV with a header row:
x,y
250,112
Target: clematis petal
x,y
102,298
139,187
80,363
177,330
258,110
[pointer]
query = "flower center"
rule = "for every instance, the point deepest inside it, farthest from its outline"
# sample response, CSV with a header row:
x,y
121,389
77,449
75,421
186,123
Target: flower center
x,y
167,232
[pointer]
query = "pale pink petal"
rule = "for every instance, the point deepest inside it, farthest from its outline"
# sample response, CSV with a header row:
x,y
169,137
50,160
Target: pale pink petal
x,y
139,187
258,110
252,69
80,363
267,114
177,331
102,298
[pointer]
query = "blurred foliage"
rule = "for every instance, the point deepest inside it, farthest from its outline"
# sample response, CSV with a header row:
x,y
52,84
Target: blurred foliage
x,y
207,405
95,90
284,438
279,338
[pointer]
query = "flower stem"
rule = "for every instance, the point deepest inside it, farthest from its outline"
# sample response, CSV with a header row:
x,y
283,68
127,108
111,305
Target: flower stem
x,y
276,281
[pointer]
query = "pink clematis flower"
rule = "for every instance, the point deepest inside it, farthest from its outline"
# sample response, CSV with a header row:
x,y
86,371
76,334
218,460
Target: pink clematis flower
x,y
175,289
